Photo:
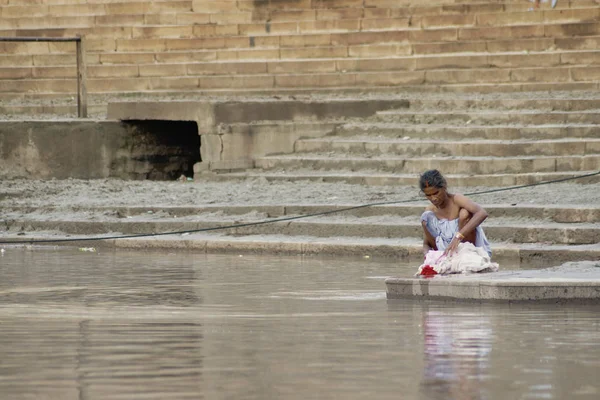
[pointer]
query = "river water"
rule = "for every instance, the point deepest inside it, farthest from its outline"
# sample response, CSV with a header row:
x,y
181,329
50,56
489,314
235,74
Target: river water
x,y
115,324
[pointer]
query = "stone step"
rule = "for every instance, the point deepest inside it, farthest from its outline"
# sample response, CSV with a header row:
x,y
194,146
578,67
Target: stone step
x,y
178,12
352,35
421,98
541,103
445,148
369,178
471,131
45,13
530,255
513,67
450,165
485,117
560,213
42,111
522,79
386,226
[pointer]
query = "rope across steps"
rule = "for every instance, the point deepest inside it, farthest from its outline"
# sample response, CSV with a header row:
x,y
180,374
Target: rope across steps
x,y
500,229
559,213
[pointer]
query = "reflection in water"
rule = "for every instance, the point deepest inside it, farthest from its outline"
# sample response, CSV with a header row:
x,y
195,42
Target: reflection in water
x,y
138,325
457,347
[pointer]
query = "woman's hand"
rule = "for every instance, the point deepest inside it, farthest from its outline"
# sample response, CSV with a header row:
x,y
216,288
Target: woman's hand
x,y
453,246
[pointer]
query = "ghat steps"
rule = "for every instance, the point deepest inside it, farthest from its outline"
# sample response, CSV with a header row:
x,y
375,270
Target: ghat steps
x,y
529,234
476,141
206,46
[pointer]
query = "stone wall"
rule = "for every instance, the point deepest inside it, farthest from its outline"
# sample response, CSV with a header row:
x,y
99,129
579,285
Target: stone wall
x,y
89,150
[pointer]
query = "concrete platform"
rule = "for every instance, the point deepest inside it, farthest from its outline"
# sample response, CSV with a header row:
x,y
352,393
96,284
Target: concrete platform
x,y
570,282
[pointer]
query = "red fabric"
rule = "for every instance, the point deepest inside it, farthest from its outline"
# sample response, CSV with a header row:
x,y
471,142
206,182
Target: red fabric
x,y
428,271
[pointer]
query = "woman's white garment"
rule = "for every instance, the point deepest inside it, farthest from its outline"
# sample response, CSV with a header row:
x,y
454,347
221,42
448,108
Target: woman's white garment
x,y
443,231
466,259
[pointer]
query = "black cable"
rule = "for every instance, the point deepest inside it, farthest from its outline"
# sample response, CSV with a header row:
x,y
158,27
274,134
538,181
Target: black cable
x,y
286,218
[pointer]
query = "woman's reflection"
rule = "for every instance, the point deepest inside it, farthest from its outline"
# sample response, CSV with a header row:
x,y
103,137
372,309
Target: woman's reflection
x,y
457,346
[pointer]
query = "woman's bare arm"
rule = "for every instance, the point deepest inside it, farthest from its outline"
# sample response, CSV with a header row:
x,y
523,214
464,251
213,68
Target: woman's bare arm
x,y
478,213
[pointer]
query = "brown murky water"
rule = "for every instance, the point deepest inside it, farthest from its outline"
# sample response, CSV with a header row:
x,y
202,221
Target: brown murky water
x,y
138,325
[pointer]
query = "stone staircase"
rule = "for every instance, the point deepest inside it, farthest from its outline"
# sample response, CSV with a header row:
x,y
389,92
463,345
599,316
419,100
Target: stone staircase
x,y
528,235
184,48
476,140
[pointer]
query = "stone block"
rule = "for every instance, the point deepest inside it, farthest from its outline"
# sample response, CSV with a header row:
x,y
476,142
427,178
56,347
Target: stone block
x,y
120,20
231,18
314,52
66,10
215,30
572,15
212,6
451,62
222,68
161,19
300,67
237,82
327,4
137,45
38,85
573,29
434,35
185,56
504,32
24,11
322,39
586,58
356,38
125,58
104,85
162,32
191,18
162,69
329,26
445,21
249,55
470,76
513,18
524,45
384,23
591,73
173,83
540,75
128,8
9,60
261,42
389,78
17,72
236,43
449,47
339,13
55,72
292,15
379,50
382,64
524,60
191,44
171,6
314,80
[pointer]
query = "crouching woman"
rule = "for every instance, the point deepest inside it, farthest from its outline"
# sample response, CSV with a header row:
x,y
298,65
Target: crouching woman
x,y
451,218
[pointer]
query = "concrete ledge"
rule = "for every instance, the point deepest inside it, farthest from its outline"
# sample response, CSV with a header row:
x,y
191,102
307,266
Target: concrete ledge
x,y
570,282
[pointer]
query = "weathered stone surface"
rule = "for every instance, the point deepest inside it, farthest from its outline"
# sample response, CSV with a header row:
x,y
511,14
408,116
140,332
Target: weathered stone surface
x,y
570,282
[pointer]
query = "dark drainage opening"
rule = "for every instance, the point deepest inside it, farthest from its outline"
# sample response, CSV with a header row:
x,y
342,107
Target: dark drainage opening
x,y
162,150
